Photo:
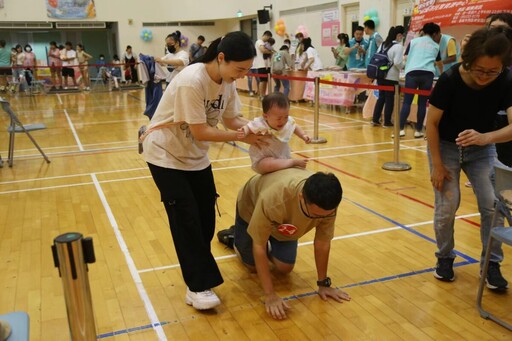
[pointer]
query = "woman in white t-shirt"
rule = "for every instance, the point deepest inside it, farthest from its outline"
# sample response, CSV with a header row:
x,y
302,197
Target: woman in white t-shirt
x,y
176,146
312,61
177,58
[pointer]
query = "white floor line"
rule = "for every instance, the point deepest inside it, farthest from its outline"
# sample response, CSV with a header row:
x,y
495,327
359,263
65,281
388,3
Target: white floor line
x,y
148,176
129,261
73,130
60,99
354,235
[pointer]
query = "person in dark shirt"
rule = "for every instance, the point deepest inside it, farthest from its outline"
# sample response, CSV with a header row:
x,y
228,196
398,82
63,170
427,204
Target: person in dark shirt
x,y
461,135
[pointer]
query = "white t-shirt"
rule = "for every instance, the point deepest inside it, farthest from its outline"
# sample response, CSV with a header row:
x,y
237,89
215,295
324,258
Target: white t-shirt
x,y
183,55
191,98
259,62
317,63
69,54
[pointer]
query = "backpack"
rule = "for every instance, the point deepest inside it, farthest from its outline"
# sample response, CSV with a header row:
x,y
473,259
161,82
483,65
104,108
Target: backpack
x,y
379,64
277,63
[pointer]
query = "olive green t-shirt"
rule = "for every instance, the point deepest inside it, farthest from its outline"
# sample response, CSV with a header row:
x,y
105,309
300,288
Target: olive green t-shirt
x,y
270,203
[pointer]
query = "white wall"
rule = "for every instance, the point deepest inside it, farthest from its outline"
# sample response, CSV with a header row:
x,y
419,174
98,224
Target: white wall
x,y
222,13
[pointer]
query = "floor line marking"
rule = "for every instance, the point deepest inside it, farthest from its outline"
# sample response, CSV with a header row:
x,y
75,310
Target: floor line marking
x,y
73,130
130,262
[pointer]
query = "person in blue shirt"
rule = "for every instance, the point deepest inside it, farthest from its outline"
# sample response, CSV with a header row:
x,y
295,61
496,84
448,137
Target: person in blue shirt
x,y
419,73
374,40
356,50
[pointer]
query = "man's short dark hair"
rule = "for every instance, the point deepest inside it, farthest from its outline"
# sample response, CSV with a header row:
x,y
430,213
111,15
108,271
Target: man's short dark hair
x,y
275,99
370,24
323,190
267,33
359,28
201,38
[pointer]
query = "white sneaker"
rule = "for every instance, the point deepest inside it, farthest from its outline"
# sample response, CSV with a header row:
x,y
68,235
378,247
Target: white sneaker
x,y
202,300
402,134
418,134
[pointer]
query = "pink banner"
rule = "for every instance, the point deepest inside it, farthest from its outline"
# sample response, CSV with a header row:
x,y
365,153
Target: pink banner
x,y
330,31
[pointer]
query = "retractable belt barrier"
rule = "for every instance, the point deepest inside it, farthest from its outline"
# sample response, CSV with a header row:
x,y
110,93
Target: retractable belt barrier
x,y
395,165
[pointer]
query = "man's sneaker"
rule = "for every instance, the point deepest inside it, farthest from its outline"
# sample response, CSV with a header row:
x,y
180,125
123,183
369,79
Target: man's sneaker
x,y
444,269
227,237
202,300
494,279
402,134
418,134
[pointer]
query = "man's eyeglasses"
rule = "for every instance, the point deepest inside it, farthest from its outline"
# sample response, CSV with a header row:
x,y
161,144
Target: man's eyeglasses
x,y
482,73
316,216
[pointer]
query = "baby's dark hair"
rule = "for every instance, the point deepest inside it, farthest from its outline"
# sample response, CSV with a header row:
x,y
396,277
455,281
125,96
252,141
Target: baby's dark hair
x,y
275,99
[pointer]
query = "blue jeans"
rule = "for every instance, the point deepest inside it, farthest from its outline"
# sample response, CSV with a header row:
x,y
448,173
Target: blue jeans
x,y
285,252
478,164
286,86
386,98
421,81
249,79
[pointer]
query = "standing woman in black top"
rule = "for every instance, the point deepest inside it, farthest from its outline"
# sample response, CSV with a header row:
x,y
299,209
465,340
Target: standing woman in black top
x,y
461,136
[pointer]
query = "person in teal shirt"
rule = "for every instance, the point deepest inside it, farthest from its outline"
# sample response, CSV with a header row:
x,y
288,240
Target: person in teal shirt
x,y
356,49
374,41
5,65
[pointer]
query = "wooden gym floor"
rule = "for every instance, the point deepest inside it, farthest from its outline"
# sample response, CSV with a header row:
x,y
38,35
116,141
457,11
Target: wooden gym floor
x,y
97,184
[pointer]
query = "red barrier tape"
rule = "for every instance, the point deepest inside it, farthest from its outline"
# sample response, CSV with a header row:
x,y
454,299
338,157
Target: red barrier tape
x,y
61,66
348,85
415,91
359,86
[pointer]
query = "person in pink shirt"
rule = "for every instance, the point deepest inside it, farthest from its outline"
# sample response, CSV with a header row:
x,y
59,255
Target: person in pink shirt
x,y
29,63
55,64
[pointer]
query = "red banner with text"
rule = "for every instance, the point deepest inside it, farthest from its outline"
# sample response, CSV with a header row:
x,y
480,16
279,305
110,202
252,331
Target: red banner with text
x,y
456,12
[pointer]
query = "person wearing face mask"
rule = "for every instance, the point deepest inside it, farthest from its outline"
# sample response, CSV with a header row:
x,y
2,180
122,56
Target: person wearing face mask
x,y
29,64
176,58
176,145
356,49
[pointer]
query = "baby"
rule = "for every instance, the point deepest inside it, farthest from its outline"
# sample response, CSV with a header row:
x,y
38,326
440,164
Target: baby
x,y
269,45
277,123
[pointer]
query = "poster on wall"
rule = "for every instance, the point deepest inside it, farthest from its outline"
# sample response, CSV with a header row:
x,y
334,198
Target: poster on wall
x,y
70,9
456,12
330,27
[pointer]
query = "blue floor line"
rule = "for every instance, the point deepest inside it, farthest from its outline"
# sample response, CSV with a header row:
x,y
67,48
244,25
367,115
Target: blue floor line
x,y
131,330
413,231
378,280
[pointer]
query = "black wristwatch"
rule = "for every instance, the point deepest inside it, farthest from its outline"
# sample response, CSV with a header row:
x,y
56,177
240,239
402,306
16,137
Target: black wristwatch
x,y
324,283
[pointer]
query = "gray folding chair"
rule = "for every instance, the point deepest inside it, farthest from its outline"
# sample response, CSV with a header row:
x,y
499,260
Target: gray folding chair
x,y
503,189
17,127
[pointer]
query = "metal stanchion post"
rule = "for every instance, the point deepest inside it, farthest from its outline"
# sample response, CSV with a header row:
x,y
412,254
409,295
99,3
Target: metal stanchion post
x,y
396,165
315,138
269,83
71,253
